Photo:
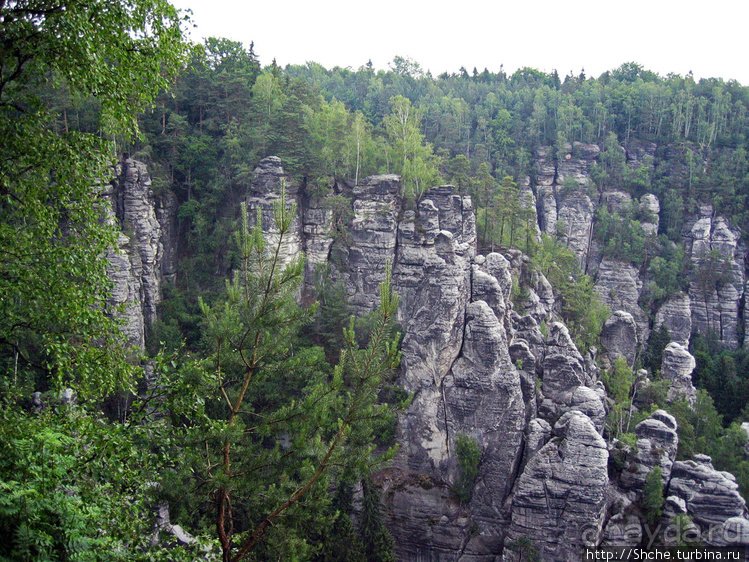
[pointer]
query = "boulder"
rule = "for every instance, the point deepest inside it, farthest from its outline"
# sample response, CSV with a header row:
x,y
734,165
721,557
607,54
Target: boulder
x,y
677,367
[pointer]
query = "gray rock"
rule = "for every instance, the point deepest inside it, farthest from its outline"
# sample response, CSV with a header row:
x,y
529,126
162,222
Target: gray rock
x,y
563,366
619,285
484,399
538,434
590,403
575,212
619,336
618,202
268,181
318,233
136,265
650,207
715,295
677,367
560,498
426,523
676,315
711,497
575,163
547,207
734,531
657,443
623,529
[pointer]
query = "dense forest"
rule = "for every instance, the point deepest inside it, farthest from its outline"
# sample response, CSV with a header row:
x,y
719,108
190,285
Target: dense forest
x,y
254,418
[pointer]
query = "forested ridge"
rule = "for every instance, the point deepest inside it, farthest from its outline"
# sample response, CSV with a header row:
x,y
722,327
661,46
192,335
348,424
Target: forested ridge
x,y
252,418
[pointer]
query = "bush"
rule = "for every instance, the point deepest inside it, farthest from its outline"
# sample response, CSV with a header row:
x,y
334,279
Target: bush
x,y
469,457
652,497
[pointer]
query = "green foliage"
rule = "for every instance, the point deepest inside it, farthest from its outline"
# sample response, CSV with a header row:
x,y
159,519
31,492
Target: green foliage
x,y
378,544
73,483
620,236
667,274
652,497
342,543
652,357
408,154
276,423
724,374
468,453
581,308
525,547
713,271
619,381
333,313
74,486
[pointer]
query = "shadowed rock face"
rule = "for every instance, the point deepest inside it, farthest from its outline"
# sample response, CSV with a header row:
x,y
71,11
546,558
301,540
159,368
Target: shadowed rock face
x,y
619,336
619,285
677,367
657,443
265,192
676,316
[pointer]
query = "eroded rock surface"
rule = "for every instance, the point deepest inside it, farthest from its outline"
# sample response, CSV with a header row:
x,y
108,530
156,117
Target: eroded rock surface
x,y
711,497
145,252
677,367
561,493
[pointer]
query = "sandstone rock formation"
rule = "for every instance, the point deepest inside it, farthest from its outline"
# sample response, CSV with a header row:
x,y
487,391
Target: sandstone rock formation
x,y
711,497
509,376
717,283
657,443
561,493
676,315
677,367
619,336
145,251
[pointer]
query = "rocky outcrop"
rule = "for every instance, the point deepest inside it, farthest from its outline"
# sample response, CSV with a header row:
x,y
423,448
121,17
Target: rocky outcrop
x,y
677,367
718,280
565,209
657,443
268,182
619,285
363,260
711,498
432,274
574,225
561,495
506,375
649,208
676,315
145,252
619,336
484,399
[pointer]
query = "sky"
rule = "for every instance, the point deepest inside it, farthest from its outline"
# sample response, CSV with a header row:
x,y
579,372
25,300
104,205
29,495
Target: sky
x,y
665,36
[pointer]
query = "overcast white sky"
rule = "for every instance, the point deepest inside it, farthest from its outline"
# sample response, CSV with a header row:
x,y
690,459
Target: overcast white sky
x,y
708,38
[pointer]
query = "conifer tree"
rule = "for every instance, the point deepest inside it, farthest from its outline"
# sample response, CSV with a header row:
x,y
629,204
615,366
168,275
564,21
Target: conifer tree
x,y
378,543
263,459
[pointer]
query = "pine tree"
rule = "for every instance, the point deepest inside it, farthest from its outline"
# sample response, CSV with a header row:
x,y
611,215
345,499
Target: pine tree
x,y
378,543
271,458
652,497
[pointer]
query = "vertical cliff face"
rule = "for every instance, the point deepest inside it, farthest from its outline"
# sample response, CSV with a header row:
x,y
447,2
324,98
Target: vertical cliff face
x,y
717,284
479,370
145,253
567,202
